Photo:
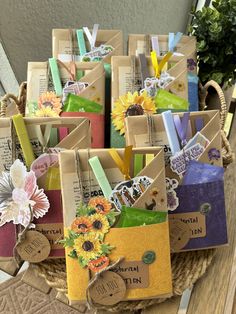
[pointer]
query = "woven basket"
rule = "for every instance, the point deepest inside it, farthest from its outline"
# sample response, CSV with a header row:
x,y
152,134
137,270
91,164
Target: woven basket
x,y
18,101
227,153
187,267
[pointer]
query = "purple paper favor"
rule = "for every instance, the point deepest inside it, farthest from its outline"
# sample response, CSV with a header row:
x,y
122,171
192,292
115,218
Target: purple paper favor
x,y
202,209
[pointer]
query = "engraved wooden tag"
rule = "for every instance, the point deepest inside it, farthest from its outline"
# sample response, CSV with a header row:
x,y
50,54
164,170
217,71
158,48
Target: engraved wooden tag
x,y
35,248
180,234
109,289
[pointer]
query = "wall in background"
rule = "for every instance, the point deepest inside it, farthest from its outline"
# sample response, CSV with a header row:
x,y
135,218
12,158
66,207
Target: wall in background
x,y
26,25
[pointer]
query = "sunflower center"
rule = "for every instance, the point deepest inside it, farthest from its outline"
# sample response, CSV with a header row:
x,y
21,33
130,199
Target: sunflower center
x,y
82,226
47,104
88,246
134,110
97,224
100,207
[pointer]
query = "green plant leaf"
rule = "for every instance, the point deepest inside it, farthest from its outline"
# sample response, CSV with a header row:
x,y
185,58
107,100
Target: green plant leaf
x,y
73,254
111,216
83,262
84,210
69,241
217,77
106,248
215,31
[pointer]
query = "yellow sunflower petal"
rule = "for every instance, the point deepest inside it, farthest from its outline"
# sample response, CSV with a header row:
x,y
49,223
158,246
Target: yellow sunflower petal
x,y
46,112
88,246
138,102
100,224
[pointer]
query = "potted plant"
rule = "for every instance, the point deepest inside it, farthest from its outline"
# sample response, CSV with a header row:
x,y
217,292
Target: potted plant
x,y
215,30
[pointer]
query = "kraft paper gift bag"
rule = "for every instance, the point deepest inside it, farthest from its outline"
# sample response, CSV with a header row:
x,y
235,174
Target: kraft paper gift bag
x,y
11,141
127,76
76,45
65,45
39,81
199,220
154,279
180,44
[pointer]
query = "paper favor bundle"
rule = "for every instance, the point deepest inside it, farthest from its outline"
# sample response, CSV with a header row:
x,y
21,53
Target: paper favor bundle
x,y
70,90
146,85
86,45
192,145
180,45
140,253
33,144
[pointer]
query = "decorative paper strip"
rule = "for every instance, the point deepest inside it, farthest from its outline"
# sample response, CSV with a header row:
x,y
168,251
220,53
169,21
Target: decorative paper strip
x,y
149,158
158,67
199,124
173,40
23,137
170,131
91,37
55,76
123,164
81,41
143,67
155,45
53,179
138,163
181,126
100,176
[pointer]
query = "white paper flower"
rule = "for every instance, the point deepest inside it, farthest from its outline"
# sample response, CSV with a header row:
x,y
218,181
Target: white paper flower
x,y
6,187
20,198
18,174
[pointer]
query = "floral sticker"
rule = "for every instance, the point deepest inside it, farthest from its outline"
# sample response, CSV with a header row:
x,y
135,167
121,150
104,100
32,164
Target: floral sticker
x,y
178,86
213,154
191,64
20,198
131,105
172,199
153,84
87,232
49,105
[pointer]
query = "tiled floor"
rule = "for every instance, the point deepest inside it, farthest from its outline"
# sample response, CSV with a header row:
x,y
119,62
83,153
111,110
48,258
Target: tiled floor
x,y
4,276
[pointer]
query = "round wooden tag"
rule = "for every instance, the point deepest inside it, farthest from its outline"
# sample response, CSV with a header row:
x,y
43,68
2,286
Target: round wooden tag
x,y
35,248
180,234
109,289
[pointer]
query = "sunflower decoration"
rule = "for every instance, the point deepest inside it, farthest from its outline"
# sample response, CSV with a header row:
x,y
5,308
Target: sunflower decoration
x,y
81,225
85,237
100,204
100,224
49,105
88,246
131,105
103,207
